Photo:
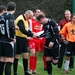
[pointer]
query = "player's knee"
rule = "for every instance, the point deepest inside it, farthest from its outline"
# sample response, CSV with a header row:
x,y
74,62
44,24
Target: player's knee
x,y
48,59
33,53
55,62
17,56
25,55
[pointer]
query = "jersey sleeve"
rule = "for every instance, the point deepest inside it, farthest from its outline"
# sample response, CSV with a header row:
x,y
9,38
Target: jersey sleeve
x,y
22,29
63,30
55,30
11,25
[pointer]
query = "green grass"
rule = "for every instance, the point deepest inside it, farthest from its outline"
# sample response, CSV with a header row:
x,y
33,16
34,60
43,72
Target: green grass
x,y
40,68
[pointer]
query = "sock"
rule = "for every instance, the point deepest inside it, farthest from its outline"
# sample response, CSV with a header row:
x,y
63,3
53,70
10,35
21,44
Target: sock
x,y
35,62
15,65
66,65
32,60
25,65
8,68
1,67
49,67
44,60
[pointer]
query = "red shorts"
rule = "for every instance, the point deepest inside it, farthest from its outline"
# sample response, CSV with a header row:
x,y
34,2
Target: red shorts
x,y
43,43
35,43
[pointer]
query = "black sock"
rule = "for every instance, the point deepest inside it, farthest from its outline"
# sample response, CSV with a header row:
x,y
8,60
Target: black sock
x,y
8,68
1,67
25,65
49,67
15,64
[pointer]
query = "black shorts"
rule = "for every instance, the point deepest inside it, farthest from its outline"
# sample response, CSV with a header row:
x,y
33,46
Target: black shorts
x,y
54,53
7,49
70,49
21,45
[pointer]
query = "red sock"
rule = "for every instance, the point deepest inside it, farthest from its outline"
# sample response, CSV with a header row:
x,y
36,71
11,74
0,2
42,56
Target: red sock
x,y
32,58
35,63
44,60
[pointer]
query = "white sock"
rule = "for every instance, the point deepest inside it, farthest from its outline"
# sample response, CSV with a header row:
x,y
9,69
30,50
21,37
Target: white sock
x,y
66,65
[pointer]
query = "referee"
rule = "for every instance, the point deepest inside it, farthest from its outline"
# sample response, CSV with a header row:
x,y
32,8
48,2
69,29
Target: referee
x,y
21,40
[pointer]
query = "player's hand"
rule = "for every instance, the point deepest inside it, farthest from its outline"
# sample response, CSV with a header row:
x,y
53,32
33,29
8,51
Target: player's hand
x,y
65,42
16,27
35,36
14,41
51,44
29,38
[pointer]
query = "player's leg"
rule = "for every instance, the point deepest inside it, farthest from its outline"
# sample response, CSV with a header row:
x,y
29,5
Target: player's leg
x,y
9,62
2,62
35,63
42,48
68,56
37,42
25,62
49,65
15,64
32,47
47,53
9,56
17,54
71,65
66,65
62,52
25,55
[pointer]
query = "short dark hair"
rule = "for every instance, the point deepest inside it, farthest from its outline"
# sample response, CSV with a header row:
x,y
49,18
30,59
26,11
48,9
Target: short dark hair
x,y
11,6
2,7
40,16
35,9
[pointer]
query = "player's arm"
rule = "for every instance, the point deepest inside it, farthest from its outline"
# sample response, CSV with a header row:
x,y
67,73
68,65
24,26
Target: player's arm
x,y
55,30
22,29
63,34
11,26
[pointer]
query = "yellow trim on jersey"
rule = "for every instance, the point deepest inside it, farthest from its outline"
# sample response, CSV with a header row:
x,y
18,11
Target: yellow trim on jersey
x,y
18,32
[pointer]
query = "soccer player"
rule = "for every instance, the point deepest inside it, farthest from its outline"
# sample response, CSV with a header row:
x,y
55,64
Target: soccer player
x,y
34,43
51,33
2,9
68,37
7,30
63,46
21,40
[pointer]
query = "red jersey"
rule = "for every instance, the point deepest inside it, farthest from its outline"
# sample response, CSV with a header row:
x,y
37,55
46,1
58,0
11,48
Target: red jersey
x,y
36,43
63,22
35,26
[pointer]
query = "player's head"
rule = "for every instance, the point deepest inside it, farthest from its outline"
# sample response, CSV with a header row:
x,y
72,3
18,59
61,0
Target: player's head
x,y
73,18
36,11
2,9
28,14
43,12
11,6
67,14
42,19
